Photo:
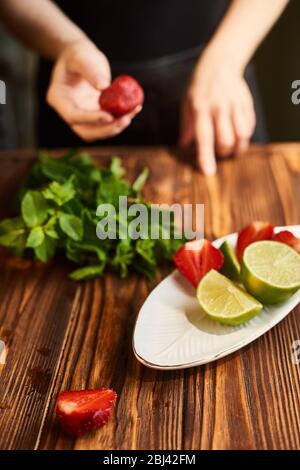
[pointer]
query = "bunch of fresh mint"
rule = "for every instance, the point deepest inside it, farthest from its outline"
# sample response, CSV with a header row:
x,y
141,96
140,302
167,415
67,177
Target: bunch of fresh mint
x,y
58,212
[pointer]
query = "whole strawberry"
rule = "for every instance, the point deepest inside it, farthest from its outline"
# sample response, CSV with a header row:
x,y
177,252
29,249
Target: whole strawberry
x,y
82,411
122,96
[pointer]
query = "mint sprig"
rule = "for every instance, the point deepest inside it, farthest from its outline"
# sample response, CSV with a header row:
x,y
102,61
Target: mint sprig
x,y
57,212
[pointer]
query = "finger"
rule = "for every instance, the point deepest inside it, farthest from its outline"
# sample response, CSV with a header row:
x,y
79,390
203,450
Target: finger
x,y
186,136
224,134
130,115
136,111
74,115
91,64
243,124
133,113
250,112
244,119
95,132
204,133
248,107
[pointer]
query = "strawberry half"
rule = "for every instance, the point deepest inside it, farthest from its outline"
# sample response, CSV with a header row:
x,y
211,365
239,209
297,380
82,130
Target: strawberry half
x,y
80,412
122,96
254,232
287,237
196,258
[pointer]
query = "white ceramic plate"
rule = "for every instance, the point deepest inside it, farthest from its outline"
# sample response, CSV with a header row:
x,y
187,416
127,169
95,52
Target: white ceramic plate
x,y
172,332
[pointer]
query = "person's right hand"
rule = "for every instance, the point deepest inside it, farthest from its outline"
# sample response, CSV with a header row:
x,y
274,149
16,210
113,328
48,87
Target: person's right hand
x,y
79,75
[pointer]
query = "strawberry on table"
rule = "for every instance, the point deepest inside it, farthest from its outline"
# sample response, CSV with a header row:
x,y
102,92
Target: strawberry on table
x,y
257,231
82,411
196,258
287,237
122,96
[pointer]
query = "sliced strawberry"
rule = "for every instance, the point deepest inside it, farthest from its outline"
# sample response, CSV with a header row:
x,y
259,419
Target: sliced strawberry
x,y
82,411
196,258
254,232
288,238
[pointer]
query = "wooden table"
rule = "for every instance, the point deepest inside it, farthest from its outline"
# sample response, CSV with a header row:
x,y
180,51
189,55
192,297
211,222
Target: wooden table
x,y
64,335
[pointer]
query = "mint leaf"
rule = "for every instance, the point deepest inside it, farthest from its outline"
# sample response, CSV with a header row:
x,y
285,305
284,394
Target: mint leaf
x,y
11,230
35,238
60,193
74,206
145,248
50,228
71,226
124,257
86,273
13,234
54,170
146,262
90,246
110,189
34,209
69,155
81,252
116,167
46,250
141,180
75,253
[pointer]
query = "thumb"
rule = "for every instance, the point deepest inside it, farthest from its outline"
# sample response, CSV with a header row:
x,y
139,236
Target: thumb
x,y
91,64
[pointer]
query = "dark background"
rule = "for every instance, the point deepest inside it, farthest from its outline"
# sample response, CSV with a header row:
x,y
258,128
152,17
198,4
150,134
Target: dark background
x,y
278,65
277,61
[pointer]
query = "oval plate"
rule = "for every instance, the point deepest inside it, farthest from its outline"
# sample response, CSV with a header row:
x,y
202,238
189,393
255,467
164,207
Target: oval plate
x,y
172,332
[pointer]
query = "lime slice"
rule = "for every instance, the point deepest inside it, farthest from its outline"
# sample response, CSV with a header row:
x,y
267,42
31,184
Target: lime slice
x,y
231,267
224,301
271,271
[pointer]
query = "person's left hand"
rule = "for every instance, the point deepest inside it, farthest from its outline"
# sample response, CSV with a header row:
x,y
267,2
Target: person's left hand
x,y
218,112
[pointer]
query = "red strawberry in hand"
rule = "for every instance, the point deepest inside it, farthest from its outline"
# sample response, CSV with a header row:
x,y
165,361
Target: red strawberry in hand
x,y
254,232
196,258
288,238
122,96
79,412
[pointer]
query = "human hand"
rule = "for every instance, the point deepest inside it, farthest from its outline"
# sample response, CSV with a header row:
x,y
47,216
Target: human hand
x,y
78,77
218,112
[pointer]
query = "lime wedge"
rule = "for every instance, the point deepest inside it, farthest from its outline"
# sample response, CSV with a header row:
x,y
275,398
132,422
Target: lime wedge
x,y
231,267
271,271
224,301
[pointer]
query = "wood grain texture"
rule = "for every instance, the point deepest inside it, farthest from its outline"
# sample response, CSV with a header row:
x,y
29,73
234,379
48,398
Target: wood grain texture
x,y
64,335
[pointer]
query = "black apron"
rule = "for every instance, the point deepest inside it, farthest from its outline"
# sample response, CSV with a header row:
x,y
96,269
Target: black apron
x,y
156,41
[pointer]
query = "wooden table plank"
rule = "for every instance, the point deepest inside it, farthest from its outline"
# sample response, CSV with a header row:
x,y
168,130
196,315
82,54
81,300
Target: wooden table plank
x,y
66,335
